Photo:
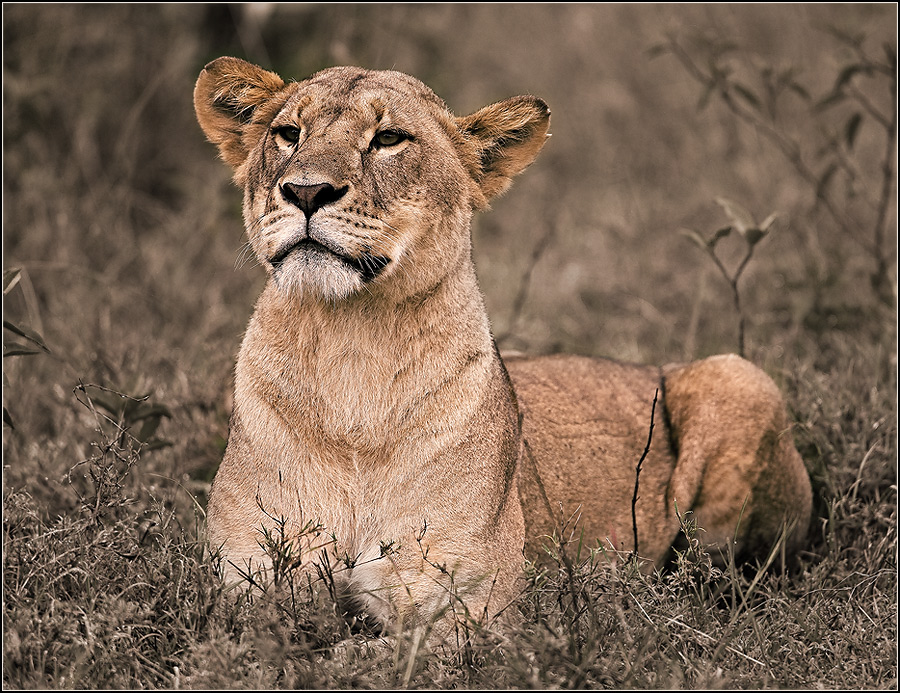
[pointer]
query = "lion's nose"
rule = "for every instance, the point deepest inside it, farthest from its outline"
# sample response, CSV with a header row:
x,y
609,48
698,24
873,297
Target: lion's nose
x,y
310,198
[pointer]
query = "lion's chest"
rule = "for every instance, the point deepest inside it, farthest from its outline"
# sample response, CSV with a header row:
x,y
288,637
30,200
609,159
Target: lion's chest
x,y
346,419
343,441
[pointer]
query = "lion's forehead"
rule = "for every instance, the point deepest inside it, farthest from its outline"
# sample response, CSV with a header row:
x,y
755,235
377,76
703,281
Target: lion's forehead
x,y
367,94
344,81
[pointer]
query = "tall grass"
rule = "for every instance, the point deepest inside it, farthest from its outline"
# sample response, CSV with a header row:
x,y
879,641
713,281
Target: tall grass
x,y
126,235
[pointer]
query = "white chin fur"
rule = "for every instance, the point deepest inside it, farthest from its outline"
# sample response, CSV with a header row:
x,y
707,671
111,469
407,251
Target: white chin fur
x,y
328,279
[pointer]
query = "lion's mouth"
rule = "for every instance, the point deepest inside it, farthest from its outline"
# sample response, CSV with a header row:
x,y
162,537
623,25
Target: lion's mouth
x,y
367,264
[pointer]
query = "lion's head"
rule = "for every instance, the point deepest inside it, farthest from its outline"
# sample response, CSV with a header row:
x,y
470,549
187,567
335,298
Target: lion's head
x,y
358,180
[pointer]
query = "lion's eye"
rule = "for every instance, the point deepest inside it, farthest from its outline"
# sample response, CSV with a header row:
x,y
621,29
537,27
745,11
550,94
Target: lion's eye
x,y
389,138
288,133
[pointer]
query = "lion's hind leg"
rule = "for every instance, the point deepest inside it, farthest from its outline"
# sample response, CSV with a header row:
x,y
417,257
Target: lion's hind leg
x,y
738,470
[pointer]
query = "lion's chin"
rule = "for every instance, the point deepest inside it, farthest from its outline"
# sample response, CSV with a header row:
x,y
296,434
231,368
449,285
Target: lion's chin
x,y
312,269
317,275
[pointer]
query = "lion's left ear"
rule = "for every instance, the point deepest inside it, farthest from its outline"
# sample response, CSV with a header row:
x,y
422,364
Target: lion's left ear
x,y
506,137
228,94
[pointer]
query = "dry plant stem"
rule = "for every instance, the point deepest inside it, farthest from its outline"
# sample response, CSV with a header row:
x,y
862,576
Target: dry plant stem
x,y
735,294
788,147
525,283
637,474
791,151
121,604
887,178
887,169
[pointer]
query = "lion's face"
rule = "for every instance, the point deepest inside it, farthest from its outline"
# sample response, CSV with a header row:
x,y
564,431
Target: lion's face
x,y
348,178
358,180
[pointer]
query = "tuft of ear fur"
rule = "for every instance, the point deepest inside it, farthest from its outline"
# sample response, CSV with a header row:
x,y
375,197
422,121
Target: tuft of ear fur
x,y
506,137
227,95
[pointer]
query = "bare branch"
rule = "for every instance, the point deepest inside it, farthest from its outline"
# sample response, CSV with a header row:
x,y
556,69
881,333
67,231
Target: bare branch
x,y
525,283
637,475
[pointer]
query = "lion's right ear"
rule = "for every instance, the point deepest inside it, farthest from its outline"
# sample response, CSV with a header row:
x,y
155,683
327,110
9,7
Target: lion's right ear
x,y
227,94
506,137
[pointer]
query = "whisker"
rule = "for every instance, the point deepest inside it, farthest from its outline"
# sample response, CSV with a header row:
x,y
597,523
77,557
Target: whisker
x,y
245,255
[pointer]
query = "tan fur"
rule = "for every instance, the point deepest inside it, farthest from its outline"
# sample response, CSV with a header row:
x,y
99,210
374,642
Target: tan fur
x,y
370,399
720,447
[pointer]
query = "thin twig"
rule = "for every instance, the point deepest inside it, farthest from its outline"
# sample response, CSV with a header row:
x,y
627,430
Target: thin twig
x,y
677,622
735,293
788,147
525,283
637,474
887,181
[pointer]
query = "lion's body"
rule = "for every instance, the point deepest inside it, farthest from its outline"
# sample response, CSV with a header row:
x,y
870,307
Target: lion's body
x,y
372,439
370,399
720,447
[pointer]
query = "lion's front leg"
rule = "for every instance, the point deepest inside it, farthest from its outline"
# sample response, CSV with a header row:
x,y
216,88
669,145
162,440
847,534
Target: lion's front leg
x,y
255,521
436,589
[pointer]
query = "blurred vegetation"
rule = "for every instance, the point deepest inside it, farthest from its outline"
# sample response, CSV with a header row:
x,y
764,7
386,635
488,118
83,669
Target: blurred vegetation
x,y
124,307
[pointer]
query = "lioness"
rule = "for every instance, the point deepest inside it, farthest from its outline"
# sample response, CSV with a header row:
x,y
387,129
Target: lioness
x,y
370,398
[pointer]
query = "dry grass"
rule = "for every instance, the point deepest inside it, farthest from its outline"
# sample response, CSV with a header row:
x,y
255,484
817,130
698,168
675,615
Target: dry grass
x,y
126,233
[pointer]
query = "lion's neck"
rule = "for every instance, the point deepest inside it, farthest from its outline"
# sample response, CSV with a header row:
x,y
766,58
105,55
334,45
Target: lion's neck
x,y
370,363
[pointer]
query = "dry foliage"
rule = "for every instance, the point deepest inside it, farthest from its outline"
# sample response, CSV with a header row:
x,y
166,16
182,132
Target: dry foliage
x,y
125,295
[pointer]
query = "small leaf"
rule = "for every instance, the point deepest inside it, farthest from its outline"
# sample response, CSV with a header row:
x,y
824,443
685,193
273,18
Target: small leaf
x,y
10,279
157,444
824,179
15,349
721,233
7,419
764,227
854,40
111,402
748,95
851,129
657,50
754,236
696,238
146,411
703,101
133,405
720,73
740,218
832,99
847,74
718,235
30,335
800,90
148,429
724,46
